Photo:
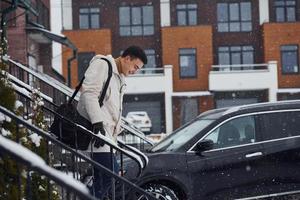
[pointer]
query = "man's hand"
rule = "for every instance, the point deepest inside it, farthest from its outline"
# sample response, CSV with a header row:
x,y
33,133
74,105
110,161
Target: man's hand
x,y
96,128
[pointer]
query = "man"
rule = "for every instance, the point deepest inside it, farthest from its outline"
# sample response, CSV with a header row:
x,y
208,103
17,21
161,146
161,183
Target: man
x,y
106,119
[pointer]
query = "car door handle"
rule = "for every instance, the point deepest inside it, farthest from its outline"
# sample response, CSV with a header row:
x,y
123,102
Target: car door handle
x,y
253,154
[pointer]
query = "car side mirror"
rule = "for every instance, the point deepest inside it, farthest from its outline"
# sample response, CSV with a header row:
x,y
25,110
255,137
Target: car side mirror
x,y
204,145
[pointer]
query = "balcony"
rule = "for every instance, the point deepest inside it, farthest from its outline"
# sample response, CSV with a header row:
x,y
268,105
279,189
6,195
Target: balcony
x,y
154,80
150,80
245,77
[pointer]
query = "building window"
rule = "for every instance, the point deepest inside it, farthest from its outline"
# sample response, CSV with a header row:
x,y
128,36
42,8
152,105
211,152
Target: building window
x,y
289,59
89,18
135,21
188,110
43,15
234,17
280,125
151,61
285,10
186,14
187,59
235,55
84,59
150,53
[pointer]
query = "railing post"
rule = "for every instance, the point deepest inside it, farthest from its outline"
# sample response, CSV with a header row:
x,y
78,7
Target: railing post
x,y
28,185
48,163
122,174
18,166
112,160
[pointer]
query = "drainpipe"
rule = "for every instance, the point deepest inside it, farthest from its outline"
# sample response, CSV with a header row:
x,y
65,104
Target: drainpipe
x,y
69,66
4,26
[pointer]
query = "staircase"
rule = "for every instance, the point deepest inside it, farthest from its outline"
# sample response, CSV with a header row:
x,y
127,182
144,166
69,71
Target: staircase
x,y
61,160
57,93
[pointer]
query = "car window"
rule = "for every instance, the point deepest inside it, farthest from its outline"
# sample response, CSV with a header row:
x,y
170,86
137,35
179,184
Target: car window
x,y
234,132
280,125
180,137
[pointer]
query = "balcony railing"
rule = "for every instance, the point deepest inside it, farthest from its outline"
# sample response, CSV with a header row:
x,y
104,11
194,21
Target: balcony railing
x,y
246,77
240,67
150,72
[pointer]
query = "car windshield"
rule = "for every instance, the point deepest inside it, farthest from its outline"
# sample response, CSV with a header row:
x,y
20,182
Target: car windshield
x,y
180,137
184,134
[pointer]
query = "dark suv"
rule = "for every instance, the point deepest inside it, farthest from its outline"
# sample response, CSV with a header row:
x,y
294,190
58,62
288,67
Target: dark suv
x,y
229,153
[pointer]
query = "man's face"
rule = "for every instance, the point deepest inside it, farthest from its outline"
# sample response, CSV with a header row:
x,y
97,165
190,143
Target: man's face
x,y
131,65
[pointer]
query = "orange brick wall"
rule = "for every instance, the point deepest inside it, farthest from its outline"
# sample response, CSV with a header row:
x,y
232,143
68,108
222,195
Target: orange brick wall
x,y
98,41
198,37
275,35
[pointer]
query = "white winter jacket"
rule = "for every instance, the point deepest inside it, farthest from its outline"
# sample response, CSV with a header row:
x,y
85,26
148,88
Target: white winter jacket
x,y
88,105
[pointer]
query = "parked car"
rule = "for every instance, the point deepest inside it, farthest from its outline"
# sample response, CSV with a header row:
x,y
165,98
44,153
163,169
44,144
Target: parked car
x,y
229,153
141,120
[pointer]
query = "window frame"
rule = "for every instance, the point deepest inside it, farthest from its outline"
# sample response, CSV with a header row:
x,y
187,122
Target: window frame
x,y
241,54
89,15
287,51
255,129
239,21
86,56
264,128
150,52
259,125
142,24
186,11
179,63
285,10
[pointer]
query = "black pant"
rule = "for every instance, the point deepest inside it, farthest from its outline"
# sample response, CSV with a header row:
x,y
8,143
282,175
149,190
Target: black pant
x,y
102,181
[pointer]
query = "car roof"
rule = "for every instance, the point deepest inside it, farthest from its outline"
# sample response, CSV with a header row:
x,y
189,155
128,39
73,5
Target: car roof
x,y
221,114
266,106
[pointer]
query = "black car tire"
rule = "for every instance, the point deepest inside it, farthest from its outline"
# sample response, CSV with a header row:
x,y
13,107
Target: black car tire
x,y
161,192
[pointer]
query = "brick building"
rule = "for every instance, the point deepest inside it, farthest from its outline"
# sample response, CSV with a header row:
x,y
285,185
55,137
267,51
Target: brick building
x,y
28,28
222,52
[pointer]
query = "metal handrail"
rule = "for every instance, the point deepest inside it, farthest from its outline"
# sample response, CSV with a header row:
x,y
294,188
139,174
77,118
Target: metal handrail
x,y
235,67
79,127
49,100
130,127
52,82
36,163
78,154
68,92
19,87
135,150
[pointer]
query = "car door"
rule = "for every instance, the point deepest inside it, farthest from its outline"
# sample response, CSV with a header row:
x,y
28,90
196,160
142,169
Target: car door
x,y
281,135
232,167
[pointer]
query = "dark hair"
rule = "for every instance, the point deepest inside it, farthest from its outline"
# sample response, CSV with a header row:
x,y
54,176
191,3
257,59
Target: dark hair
x,y
135,52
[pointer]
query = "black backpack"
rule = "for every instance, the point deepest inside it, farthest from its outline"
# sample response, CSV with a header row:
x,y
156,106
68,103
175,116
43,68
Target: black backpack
x,y
64,128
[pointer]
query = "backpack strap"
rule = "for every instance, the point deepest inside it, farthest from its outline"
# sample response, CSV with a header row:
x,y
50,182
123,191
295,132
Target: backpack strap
x,y
104,88
76,90
106,83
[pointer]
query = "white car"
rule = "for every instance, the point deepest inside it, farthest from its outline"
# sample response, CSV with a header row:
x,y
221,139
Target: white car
x,y
140,119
